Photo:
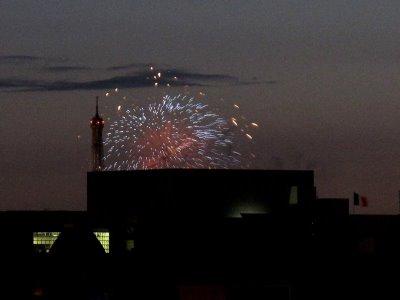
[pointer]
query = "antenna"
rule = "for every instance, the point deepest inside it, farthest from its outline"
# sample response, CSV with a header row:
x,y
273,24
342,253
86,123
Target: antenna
x,y
97,105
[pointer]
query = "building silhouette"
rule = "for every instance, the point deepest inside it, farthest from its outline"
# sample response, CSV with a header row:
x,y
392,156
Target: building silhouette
x,y
200,234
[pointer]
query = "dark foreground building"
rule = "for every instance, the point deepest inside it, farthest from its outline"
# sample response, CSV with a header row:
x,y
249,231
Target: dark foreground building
x,y
200,234
221,233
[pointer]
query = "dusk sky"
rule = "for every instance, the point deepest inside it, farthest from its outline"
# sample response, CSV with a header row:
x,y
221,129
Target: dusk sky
x,y
321,78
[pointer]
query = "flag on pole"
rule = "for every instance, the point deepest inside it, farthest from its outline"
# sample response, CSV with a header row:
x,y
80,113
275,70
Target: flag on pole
x,y
360,200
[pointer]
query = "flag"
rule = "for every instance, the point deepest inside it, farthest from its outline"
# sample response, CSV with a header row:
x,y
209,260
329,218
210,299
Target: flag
x,y
293,198
356,199
364,201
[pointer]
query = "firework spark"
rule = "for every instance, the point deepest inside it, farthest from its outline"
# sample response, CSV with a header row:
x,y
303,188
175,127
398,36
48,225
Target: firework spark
x,y
176,132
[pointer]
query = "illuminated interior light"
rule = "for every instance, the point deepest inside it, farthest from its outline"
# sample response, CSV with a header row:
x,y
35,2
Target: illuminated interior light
x,y
130,244
44,240
104,238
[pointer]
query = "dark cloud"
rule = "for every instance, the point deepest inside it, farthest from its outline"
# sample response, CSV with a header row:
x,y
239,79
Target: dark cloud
x,y
199,76
129,66
216,78
136,81
256,82
172,77
139,75
64,69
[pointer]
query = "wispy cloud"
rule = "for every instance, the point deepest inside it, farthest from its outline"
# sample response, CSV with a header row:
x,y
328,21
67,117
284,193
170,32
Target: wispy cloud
x,y
139,75
30,60
16,59
199,76
136,81
143,79
129,66
253,82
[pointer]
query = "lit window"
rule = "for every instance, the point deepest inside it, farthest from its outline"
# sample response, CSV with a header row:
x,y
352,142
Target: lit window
x,y
43,241
293,197
130,244
104,239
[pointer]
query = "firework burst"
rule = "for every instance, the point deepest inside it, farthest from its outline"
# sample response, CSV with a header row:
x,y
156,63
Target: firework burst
x,y
176,132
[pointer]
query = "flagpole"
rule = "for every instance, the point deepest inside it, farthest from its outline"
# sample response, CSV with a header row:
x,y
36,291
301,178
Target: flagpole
x,y
356,201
